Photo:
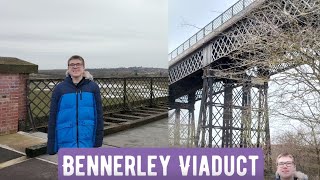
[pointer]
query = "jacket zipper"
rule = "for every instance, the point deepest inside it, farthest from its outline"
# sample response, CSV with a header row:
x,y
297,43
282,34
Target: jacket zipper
x,y
77,118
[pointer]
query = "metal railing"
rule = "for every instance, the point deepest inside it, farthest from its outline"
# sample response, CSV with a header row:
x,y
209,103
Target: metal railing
x,y
213,25
117,94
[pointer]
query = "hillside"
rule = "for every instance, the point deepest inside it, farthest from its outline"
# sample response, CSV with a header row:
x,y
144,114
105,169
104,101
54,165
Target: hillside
x,y
109,72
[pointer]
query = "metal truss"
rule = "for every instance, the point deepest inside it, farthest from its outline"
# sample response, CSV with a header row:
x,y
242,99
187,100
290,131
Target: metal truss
x,y
186,67
263,21
233,114
182,122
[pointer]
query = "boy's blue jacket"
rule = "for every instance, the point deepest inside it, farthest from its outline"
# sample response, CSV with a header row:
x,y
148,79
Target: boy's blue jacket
x,y
76,118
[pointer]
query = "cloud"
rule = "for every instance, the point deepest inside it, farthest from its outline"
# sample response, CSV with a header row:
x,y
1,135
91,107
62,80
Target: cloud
x,y
130,32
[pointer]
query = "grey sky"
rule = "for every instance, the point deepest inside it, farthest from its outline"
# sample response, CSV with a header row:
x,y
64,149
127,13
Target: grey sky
x,y
107,33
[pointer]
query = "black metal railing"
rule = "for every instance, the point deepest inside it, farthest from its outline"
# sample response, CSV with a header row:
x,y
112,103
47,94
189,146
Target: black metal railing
x,y
118,94
234,10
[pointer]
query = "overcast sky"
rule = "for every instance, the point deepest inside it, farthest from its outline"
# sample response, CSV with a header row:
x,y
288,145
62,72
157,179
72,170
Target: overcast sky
x,y
107,33
193,12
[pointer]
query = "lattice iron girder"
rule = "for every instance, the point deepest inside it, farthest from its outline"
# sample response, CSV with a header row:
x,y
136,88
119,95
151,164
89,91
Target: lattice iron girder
x,y
261,22
191,64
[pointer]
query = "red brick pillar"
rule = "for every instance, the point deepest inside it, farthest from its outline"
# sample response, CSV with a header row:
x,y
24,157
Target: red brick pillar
x,y
13,92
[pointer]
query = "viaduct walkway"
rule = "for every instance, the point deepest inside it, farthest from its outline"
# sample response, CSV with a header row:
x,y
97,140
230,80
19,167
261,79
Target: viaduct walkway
x,y
14,164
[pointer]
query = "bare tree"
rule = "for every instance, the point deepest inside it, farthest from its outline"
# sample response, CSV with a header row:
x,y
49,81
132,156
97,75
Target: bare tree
x,y
294,142
284,41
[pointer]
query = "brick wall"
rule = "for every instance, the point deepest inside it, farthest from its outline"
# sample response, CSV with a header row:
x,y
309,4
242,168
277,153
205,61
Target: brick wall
x,y
12,101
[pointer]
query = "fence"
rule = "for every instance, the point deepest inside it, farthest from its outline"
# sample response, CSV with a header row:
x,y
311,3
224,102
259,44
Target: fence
x,y
118,94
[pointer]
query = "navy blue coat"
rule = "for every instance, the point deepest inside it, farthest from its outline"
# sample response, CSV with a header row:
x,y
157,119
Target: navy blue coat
x,y
76,117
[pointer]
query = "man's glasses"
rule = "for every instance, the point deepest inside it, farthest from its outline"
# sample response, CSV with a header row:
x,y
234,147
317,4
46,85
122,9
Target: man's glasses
x,y
75,65
288,164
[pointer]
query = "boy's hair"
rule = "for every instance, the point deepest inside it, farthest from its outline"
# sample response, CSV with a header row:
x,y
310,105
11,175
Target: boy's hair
x,y
76,57
285,155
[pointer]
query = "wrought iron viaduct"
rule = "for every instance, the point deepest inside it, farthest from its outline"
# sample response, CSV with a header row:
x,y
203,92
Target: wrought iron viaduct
x,y
234,103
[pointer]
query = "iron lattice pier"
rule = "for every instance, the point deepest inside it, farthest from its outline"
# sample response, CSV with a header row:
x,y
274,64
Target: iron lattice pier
x,y
227,66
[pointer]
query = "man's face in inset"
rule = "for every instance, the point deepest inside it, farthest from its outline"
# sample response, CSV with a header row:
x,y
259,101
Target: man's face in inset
x,y
286,167
75,68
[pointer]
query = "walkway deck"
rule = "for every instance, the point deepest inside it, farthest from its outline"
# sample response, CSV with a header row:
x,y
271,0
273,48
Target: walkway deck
x,y
14,163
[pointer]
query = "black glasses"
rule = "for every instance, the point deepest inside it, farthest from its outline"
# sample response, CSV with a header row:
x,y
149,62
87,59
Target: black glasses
x,y
75,65
288,164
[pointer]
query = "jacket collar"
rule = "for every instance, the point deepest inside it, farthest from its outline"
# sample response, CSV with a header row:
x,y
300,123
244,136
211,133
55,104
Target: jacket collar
x,y
86,75
82,82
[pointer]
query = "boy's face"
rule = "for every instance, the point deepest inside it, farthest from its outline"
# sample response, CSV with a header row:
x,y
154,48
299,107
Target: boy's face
x,y
286,167
75,68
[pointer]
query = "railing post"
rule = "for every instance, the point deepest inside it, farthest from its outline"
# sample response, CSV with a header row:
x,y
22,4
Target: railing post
x,y
221,19
29,111
212,25
232,11
125,93
151,92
